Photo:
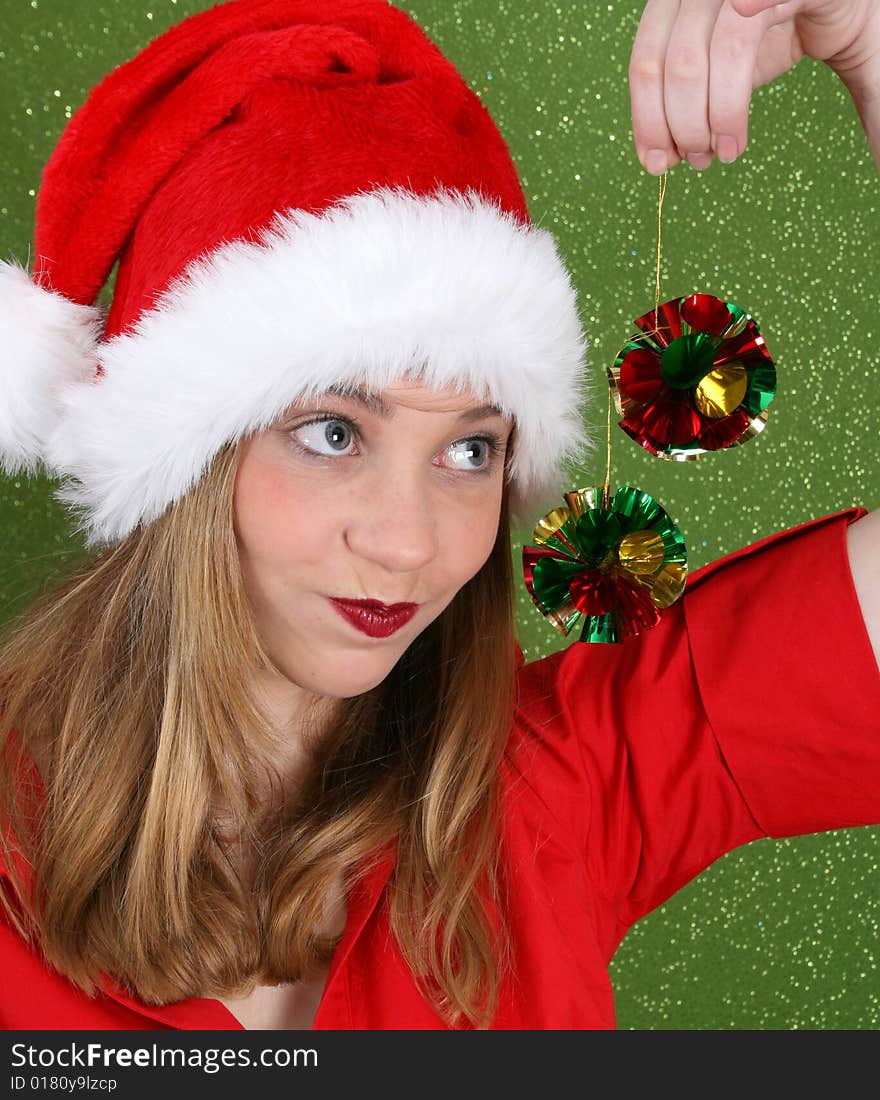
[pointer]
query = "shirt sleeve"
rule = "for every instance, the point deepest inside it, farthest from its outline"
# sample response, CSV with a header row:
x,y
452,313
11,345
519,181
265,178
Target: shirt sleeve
x,y
752,709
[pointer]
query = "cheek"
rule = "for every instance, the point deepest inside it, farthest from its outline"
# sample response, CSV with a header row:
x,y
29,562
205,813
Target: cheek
x,y
276,524
262,506
467,539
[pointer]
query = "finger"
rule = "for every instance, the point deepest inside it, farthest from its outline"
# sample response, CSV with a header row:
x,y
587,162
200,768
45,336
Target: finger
x,y
749,8
733,56
686,80
651,136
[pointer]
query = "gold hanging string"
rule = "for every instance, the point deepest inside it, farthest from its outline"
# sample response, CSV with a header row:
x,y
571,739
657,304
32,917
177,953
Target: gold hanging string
x,y
659,244
662,195
606,489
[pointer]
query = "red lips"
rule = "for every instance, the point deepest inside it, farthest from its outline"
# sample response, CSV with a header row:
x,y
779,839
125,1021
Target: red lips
x,y
374,618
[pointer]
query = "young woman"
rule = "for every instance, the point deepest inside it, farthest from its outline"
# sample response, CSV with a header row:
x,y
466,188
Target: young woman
x,y
273,758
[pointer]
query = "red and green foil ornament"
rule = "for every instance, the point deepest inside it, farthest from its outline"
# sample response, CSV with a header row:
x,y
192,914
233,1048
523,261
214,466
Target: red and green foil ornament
x,y
696,378
613,561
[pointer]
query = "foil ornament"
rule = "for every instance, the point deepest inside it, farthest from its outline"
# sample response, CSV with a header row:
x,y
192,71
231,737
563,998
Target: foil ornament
x,y
697,378
615,561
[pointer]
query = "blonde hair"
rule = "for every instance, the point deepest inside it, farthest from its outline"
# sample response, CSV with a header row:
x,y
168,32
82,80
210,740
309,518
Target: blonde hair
x,y
130,684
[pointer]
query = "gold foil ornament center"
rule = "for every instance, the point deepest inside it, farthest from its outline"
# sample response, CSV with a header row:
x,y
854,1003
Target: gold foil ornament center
x,y
641,552
722,390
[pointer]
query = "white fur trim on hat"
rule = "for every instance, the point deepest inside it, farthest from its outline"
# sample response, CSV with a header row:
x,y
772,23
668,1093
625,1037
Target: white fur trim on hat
x,y
45,341
447,287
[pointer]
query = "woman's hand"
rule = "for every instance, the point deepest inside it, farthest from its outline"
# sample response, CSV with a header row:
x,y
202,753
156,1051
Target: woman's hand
x,y
695,63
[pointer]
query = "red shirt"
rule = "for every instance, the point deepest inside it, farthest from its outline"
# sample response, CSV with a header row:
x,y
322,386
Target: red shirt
x,y
751,710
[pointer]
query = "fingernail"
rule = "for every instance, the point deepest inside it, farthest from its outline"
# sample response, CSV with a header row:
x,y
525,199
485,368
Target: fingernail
x,y
699,160
655,161
726,149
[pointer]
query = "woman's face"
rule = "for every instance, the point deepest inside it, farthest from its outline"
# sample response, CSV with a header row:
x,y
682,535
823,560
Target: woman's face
x,y
398,503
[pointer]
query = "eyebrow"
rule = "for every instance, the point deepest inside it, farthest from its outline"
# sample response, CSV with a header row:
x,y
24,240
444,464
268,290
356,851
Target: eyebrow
x,y
381,408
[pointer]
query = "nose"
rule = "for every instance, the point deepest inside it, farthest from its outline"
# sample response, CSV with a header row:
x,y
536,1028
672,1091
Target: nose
x,y
393,521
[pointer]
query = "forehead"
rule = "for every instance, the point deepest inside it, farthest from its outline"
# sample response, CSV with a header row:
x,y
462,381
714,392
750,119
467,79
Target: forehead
x,y
416,395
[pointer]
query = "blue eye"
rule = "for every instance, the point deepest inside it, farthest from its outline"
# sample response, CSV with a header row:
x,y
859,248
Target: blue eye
x,y
471,454
333,431
337,433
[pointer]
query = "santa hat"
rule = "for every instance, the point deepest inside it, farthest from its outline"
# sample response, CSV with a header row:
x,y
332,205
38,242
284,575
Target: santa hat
x,y
299,194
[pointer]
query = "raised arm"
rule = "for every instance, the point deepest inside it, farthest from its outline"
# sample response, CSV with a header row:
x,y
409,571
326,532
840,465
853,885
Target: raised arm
x,y
692,72
863,546
863,537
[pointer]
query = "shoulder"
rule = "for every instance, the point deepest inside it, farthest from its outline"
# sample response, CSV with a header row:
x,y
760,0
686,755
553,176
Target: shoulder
x,y
813,531
22,764
593,691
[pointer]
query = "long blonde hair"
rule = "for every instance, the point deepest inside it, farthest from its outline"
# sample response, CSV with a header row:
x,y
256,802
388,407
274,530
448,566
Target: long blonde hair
x,y
130,683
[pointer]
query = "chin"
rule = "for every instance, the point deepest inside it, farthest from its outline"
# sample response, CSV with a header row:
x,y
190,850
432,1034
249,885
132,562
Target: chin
x,y
343,687
343,674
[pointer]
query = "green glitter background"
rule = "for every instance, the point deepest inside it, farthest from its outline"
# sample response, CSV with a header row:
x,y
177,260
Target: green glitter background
x,y
778,934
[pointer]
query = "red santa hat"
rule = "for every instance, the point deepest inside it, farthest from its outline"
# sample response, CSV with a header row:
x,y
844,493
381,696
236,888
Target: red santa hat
x,y
299,194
